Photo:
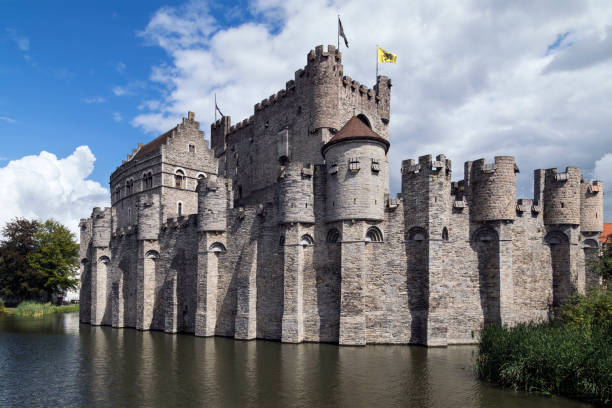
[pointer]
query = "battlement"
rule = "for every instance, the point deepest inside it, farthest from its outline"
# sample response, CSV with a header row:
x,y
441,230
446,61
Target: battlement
x,y
591,204
100,212
426,165
493,188
561,195
319,55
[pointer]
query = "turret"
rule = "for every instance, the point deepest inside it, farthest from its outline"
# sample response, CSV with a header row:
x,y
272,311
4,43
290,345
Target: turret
x,y
426,188
357,173
324,69
296,194
218,133
591,206
101,227
493,189
212,204
383,97
85,237
148,216
562,196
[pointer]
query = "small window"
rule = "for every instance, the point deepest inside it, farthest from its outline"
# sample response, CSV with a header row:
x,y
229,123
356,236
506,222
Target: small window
x,y
179,179
354,165
444,234
333,236
333,168
375,166
306,240
179,209
129,216
191,148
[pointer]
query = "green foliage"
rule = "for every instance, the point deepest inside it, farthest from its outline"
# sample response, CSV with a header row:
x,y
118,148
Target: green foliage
x,y
37,260
550,359
34,309
55,257
603,264
2,308
586,312
572,357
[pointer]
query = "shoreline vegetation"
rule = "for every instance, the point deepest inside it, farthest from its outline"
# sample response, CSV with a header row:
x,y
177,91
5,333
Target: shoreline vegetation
x,y
31,308
571,357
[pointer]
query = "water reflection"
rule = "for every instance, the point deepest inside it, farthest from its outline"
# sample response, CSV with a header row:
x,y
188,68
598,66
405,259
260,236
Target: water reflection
x,y
55,361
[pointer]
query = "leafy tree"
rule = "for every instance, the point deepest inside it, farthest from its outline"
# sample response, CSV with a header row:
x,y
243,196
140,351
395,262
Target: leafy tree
x,y
37,260
55,257
603,264
17,279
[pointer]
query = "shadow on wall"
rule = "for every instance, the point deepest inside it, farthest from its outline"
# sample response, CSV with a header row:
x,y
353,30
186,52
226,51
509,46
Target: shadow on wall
x,y
485,243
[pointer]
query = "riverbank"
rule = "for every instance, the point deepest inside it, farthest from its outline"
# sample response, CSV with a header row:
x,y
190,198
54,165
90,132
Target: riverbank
x,y
571,357
34,309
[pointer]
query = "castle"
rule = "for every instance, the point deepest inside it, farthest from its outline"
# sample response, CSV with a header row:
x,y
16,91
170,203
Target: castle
x,y
284,229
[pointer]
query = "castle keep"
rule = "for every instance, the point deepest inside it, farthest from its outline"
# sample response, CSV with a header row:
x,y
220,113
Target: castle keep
x,y
284,229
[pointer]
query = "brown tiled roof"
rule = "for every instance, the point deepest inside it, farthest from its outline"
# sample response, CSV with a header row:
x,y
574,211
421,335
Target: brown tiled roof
x,y
607,231
154,144
355,129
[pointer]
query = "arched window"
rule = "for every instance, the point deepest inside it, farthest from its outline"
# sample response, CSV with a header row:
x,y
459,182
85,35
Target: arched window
x,y
117,193
128,187
191,148
144,181
417,234
281,241
373,234
484,234
150,180
556,238
217,247
152,254
364,119
201,176
590,243
444,234
306,240
333,236
179,179
129,216
104,259
179,208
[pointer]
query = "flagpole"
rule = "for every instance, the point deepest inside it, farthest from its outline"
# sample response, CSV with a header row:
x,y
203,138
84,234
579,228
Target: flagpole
x,y
376,62
338,27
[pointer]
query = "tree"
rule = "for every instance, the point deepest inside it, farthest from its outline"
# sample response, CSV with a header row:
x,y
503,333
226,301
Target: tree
x,y
37,260
603,264
17,279
55,257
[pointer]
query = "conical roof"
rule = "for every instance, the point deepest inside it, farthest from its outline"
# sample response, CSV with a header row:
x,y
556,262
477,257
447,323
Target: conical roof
x,y
355,129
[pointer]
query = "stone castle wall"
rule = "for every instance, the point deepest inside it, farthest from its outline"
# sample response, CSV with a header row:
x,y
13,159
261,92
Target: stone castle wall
x,y
278,238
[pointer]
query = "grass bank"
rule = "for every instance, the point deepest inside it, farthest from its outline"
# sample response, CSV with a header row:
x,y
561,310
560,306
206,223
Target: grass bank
x,y
571,357
35,309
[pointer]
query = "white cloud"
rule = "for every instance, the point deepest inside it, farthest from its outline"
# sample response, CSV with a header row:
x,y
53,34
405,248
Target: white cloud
x,y
95,99
119,67
117,117
7,119
119,90
475,79
44,186
22,42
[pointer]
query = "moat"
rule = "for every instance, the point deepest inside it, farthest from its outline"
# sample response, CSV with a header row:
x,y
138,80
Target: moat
x,y
55,361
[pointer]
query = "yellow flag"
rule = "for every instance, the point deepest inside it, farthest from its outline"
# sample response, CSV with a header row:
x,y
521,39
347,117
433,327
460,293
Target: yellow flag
x,y
384,56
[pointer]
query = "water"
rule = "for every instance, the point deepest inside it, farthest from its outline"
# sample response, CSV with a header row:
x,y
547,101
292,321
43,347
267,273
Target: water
x,y
55,361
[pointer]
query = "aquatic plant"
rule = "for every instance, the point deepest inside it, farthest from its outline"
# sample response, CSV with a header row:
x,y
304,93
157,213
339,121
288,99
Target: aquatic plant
x,y
32,308
549,358
35,309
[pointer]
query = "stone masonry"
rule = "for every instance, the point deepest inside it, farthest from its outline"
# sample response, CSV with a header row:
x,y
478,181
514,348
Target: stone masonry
x,y
284,229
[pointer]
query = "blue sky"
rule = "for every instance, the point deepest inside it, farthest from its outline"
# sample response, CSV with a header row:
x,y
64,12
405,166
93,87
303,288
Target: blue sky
x,y
86,81
58,87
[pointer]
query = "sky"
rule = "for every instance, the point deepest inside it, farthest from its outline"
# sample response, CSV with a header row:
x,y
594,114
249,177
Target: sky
x,y
81,83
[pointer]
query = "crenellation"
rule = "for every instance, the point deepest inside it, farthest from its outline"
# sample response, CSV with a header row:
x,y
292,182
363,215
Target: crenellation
x,y
285,229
